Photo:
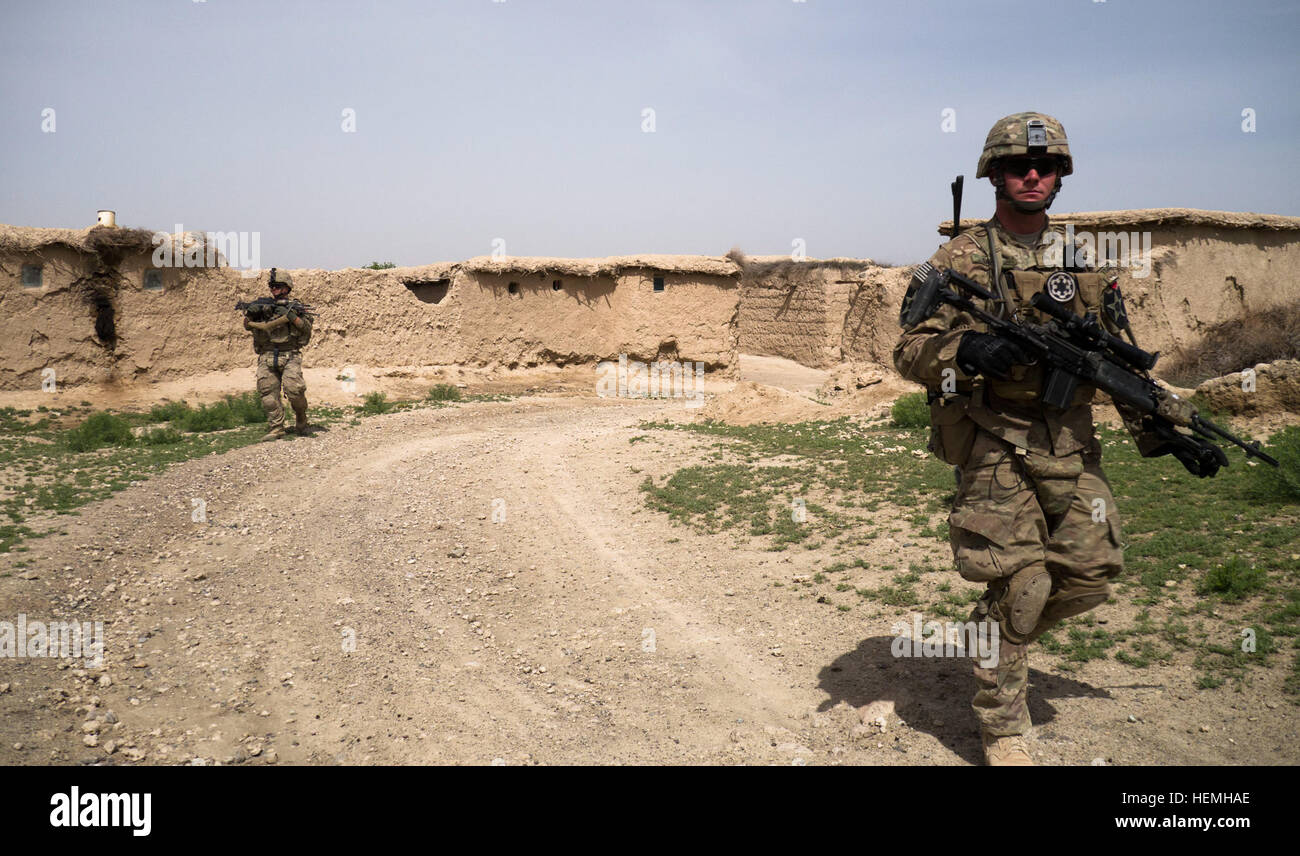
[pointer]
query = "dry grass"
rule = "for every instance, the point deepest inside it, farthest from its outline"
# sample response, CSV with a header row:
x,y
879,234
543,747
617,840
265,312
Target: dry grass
x,y
1237,344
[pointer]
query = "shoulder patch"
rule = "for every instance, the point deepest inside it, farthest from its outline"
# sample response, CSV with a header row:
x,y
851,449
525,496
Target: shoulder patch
x,y
1112,304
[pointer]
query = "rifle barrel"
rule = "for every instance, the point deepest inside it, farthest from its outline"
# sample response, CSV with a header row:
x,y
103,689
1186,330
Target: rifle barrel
x,y
1252,450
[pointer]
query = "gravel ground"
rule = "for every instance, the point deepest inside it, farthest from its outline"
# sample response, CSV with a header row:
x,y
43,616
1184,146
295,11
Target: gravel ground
x,y
482,584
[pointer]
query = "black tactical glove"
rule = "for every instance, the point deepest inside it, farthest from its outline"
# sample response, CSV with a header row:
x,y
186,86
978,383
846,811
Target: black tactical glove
x,y
1201,457
989,355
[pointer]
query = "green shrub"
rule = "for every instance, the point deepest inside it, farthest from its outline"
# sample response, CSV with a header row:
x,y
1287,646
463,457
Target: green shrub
x,y
247,408
209,417
376,403
444,392
100,429
911,411
1282,482
161,437
1234,579
234,411
171,411
379,266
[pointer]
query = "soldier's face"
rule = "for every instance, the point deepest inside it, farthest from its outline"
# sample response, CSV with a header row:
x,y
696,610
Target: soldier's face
x,y
1029,186
279,293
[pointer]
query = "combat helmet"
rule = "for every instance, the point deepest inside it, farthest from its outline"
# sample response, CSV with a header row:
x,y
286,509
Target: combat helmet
x,y
280,279
1025,134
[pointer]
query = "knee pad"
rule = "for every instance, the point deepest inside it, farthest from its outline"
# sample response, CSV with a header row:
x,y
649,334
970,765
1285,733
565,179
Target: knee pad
x,y
1021,601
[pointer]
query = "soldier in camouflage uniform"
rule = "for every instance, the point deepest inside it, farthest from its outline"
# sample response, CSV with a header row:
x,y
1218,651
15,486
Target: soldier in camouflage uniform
x,y
1034,518
278,344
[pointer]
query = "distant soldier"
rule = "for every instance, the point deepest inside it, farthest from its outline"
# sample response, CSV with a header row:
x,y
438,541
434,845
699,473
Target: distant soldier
x,y
280,330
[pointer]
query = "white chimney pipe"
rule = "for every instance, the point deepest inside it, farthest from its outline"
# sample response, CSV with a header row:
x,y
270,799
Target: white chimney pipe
x,y
106,218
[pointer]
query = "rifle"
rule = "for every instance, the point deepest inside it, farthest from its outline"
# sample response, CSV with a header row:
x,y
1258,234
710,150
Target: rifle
x,y
1078,349
267,308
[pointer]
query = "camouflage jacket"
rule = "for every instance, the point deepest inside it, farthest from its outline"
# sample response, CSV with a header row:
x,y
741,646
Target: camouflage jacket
x,y
1011,409
270,336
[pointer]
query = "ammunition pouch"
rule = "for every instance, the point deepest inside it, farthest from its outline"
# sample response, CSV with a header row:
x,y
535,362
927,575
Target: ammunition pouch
x,y
952,431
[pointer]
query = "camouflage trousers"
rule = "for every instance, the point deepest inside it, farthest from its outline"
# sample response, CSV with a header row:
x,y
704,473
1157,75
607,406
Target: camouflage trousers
x,y
1018,514
277,369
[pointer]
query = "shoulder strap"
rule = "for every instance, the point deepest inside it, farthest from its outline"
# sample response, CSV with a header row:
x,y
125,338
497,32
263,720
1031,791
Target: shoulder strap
x,y
995,268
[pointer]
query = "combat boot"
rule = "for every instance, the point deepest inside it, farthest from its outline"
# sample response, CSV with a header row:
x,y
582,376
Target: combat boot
x,y
300,418
274,434
1006,751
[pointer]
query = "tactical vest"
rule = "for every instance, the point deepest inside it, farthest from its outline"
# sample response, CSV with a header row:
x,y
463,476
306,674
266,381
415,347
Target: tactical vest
x,y
1078,291
1012,409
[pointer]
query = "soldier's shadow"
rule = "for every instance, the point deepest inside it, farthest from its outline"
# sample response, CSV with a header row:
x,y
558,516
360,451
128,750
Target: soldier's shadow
x,y
933,694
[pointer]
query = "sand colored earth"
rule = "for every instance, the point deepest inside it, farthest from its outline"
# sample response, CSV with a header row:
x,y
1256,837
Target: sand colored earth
x,y
482,583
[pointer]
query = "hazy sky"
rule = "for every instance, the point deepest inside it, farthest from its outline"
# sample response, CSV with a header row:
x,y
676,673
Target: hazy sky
x,y
523,120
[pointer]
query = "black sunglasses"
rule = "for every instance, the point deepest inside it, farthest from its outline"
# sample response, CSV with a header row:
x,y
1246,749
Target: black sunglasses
x,y
1020,167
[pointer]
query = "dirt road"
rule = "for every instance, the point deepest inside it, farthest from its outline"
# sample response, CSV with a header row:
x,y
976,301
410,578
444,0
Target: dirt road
x,y
484,584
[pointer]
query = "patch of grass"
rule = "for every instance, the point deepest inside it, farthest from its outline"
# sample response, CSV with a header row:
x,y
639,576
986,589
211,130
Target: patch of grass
x,y
10,535
444,392
900,593
1081,644
56,471
830,460
911,411
1234,580
161,437
1221,538
376,403
100,429
171,411
1281,483
233,412
955,604
1141,654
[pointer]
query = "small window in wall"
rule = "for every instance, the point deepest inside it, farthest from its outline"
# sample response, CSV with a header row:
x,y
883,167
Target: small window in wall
x,y
153,280
659,283
513,288
557,285
31,276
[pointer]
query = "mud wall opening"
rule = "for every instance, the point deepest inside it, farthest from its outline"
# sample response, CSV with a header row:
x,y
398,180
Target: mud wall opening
x,y
428,291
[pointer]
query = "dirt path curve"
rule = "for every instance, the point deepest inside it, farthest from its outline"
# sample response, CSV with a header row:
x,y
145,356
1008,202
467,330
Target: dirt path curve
x,y
455,585
484,584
